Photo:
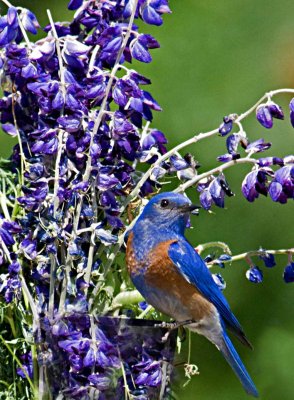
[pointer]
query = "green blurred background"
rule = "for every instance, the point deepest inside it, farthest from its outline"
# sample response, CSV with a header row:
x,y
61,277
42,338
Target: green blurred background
x,y
216,58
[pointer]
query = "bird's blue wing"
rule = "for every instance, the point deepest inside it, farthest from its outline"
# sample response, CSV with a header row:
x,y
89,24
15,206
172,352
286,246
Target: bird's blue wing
x,y
192,267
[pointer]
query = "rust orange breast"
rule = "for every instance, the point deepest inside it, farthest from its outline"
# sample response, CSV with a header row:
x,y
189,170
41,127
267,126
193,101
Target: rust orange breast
x,y
161,273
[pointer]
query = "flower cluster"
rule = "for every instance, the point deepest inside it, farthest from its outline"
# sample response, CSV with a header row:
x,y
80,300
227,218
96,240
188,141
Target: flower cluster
x,y
81,116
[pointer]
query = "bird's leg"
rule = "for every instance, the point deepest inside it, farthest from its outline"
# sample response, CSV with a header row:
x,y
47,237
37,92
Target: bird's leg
x,y
173,325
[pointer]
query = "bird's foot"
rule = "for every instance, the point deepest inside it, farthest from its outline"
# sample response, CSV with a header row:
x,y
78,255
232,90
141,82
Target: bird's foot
x,y
173,325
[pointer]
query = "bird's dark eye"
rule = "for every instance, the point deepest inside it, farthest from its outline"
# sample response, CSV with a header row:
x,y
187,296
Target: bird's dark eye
x,y
164,203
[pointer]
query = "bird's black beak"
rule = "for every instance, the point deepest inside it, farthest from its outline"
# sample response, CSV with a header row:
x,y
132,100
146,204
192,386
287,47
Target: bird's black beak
x,y
193,209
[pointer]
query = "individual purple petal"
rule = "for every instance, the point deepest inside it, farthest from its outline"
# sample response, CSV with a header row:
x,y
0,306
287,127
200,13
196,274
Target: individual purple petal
x,y
178,163
75,48
206,199
89,359
100,381
276,192
291,106
150,16
140,52
29,21
9,129
288,274
264,116
254,274
12,16
257,146
217,193
268,161
6,237
70,124
29,71
74,4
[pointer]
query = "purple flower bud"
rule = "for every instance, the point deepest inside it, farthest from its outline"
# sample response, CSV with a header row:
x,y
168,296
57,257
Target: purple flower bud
x,y
254,274
268,161
275,110
100,381
206,199
264,116
226,126
268,259
178,163
232,142
289,273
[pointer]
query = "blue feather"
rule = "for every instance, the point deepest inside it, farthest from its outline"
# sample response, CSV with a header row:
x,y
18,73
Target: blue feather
x,y
232,357
193,268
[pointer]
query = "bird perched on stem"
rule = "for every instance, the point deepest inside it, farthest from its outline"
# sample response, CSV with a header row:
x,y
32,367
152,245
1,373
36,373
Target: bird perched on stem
x,y
175,280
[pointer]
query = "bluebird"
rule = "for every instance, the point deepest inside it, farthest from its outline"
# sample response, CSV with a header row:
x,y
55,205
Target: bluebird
x,y
174,279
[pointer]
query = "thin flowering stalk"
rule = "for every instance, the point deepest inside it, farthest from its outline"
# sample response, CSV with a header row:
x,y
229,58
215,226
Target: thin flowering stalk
x,y
221,168
194,140
98,119
252,253
23,31
60,133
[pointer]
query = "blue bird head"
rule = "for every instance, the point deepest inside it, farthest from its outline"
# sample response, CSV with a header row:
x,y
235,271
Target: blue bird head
x,y
169,210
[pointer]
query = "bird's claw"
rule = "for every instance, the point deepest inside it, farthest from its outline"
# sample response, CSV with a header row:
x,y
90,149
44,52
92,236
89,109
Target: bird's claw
x,y
171,326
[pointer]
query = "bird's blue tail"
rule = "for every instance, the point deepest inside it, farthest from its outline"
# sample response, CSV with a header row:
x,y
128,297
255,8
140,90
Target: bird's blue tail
x,y
232,357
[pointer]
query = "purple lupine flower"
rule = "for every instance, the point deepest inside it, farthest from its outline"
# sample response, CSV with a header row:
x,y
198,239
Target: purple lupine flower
x,y
288,274
254,274
282,187
254,184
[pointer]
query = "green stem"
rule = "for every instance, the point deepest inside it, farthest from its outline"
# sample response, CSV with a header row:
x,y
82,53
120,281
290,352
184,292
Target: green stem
x,y
15,358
